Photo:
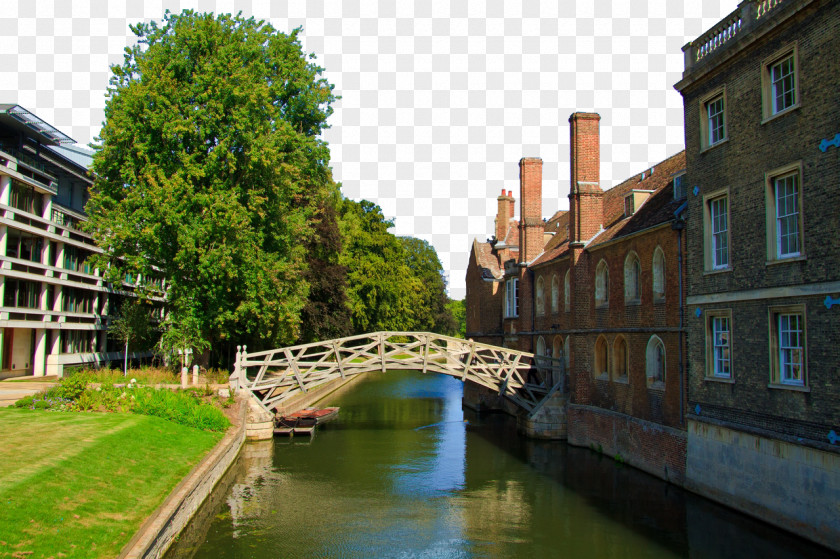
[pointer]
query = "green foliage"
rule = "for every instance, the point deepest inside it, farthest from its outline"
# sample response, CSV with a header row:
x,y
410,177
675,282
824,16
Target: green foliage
x,y
211,174
70,388
183,407
131,324
394,283
458,310
193,408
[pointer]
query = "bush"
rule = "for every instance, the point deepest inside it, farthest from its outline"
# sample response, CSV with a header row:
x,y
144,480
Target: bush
x,y
186,407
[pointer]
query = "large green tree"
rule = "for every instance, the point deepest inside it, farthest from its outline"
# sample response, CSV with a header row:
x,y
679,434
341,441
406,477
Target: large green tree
x,y
393,283
211,172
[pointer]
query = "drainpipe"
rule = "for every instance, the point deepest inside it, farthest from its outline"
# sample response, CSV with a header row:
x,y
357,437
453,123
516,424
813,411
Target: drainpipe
x,y
678,225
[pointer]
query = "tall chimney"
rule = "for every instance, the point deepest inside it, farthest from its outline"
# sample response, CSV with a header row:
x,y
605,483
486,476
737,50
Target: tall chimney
x,y
503,215
512,202
531,225
586,199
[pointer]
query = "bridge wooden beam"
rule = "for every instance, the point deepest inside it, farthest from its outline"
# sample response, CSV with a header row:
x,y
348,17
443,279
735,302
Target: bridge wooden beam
x,y
293,363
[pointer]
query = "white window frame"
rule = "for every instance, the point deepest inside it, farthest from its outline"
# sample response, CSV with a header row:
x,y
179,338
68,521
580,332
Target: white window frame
x,y
775,85
713,123
512,298
790,174
719,344
717,235
788,347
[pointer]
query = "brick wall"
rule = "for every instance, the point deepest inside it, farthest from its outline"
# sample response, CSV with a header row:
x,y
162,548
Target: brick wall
x,y
646,445
531,225
754,147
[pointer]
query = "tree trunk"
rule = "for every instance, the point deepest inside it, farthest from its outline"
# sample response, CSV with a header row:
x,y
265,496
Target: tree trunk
x,y
125,369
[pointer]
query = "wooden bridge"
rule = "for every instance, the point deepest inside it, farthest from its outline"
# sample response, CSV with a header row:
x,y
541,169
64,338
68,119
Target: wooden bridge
x,y
276,375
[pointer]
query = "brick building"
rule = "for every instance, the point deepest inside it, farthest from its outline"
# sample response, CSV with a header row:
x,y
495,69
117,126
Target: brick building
x,y
762,117
599,286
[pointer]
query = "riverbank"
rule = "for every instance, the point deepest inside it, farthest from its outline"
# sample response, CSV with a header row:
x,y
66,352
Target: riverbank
x,y
165,524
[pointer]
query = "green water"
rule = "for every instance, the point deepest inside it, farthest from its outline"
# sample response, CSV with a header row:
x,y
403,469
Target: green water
x,y
404,472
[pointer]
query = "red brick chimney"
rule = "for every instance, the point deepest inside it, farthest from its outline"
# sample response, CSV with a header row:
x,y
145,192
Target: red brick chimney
x,y
503,215
586,199
512,202
531,227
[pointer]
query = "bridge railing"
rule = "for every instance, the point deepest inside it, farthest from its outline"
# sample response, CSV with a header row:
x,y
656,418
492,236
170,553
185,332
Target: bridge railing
x,y
275,375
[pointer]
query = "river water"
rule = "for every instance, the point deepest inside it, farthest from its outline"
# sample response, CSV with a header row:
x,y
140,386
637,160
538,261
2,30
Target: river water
x,y
404,472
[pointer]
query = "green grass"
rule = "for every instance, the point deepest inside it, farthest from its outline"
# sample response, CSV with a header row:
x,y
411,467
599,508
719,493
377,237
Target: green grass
x,y
81,484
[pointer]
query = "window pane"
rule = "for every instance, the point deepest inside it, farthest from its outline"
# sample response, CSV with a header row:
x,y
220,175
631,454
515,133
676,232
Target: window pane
x,y
720,334
720,237
717,130
784,85
787,215
790,349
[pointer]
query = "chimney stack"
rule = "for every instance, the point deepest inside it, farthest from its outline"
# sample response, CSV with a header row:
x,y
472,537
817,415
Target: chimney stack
x,y
503,215
531,225
586,199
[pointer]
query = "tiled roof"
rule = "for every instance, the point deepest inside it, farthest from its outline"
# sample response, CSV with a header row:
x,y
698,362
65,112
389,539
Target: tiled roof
x,y
486,260
657,209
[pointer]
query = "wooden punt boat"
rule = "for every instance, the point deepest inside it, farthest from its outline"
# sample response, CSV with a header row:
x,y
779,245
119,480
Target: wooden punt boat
x,y
303,421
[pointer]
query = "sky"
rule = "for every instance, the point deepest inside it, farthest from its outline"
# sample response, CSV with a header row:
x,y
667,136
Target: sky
x,y
439,100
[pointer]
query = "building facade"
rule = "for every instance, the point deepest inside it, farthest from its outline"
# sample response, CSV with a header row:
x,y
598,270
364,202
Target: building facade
x,y
600,287
54,305
762,136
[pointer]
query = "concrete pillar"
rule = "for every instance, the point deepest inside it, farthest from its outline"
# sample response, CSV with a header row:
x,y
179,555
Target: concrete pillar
x,y
53,351
58,261
103,342
4,231
39,359
5,189
58,299
195,375
47,207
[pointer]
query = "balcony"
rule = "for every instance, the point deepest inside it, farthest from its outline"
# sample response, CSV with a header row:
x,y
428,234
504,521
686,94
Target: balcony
x,y
29,167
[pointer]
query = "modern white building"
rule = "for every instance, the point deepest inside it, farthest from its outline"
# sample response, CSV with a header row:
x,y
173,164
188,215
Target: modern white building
x,y
54,305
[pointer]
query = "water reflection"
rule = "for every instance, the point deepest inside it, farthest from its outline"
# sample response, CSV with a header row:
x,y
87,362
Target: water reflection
x,y
401,473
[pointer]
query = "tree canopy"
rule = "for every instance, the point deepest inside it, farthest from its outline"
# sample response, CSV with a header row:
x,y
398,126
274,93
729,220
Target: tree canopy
x,y
393,283
210,173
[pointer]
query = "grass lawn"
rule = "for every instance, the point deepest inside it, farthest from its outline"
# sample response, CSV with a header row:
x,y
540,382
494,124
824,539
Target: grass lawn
x,y
81,484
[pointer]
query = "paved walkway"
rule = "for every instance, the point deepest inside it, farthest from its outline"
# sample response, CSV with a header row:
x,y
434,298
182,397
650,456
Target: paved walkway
x,y
12,390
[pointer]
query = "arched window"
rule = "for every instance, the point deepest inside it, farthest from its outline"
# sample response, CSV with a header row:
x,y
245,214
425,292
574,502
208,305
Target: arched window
x,y
540,347
601,357
557,347
620,360
566,292
555,294
540,296
602,285
632,278
658,275
655,363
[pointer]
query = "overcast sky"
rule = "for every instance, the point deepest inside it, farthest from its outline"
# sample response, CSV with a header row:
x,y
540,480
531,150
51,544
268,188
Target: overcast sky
x,y
440,99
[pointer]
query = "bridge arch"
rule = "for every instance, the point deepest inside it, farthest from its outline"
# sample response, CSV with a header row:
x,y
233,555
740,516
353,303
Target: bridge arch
x,y
275,375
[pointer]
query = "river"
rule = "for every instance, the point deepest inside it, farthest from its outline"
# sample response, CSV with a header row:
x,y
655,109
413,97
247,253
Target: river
x,y
405,472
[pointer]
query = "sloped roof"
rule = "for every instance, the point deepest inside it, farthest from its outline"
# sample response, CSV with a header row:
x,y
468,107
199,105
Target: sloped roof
x,y
657,209
661,176
486,260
